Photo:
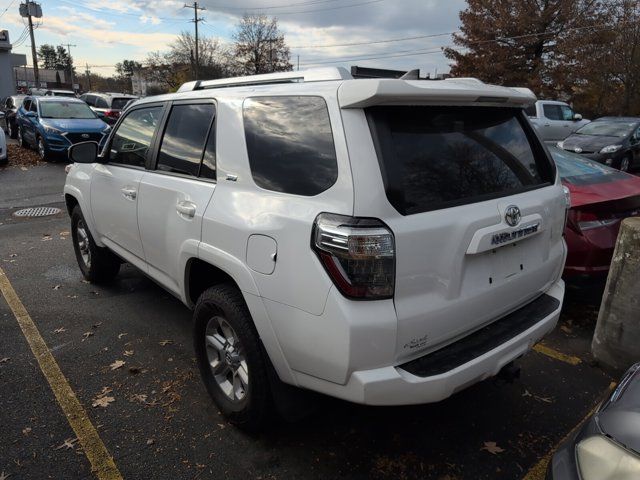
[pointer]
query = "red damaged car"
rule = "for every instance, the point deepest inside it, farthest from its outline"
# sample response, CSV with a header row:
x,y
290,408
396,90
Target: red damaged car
x,y
600,198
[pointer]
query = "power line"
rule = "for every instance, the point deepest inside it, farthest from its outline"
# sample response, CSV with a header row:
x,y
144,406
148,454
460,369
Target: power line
x,y
8,7
319,9
377,42
271,7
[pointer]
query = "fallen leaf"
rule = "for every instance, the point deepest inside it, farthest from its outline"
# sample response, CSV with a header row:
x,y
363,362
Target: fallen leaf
x,y
527,394
128,353
166,342
151,441
57,287
543,399
64,233
492,448
86,335
139,397
26,431
96,325
68,444
24,169
120,335
5,359
4,476
566,329
46,237
12,255
85,281
102,401
117,364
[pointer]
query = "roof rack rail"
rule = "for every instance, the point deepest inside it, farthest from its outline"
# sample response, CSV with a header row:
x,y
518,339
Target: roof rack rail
x,y
311,75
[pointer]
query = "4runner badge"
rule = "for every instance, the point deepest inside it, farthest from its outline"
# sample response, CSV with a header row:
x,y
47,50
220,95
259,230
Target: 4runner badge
x,y
504,237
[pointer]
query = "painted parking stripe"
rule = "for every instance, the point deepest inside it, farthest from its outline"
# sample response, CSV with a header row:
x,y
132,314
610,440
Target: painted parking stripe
x,y
539,470
102,463
556,355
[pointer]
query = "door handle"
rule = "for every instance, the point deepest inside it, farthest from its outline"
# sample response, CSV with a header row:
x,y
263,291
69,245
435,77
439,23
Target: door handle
x,y
129,193
188,209
547,125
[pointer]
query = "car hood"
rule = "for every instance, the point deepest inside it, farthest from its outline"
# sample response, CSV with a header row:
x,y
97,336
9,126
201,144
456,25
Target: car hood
x,y
623,186
589,143
75,124
619,417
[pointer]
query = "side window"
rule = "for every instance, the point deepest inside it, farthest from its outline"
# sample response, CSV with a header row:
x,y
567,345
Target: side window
x,y
567,112
132,139
91,100
184,138
290,144
26,105
33,107
531,111
552,112
101,103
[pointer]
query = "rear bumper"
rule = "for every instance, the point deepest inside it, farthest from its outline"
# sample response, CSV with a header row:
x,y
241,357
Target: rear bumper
x,y
589,255
396,385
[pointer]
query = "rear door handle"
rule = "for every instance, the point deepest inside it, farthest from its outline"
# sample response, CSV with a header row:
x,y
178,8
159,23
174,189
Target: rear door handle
x,y
188,209
129,193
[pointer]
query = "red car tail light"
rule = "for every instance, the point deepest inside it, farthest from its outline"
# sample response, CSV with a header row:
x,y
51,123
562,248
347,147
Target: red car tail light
x,y
585,221
357,253
112,113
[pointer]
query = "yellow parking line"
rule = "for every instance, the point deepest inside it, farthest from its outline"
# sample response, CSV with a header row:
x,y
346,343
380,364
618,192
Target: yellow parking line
x,y
101,462
539,470
550,352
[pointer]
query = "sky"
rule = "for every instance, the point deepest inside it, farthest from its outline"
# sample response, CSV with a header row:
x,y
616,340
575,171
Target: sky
x,y
106,32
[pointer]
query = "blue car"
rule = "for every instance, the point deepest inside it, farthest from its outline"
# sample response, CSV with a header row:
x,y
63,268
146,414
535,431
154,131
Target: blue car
x,y
52,124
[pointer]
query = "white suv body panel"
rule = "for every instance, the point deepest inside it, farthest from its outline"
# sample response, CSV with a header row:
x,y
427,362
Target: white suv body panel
x,y
314,336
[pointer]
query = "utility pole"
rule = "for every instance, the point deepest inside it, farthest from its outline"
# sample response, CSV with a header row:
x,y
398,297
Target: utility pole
x,y
88,72
196,20
68,45
36,74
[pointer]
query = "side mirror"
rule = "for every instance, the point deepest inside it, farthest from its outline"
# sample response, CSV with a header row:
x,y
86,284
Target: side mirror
x,y
1,115
577,117
84,152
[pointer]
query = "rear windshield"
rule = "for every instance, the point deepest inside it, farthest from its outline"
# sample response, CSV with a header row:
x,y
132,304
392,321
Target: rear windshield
x,y
437,157
576,170
119,103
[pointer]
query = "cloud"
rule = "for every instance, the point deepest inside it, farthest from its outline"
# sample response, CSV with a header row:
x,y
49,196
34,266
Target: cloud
x,y
150,19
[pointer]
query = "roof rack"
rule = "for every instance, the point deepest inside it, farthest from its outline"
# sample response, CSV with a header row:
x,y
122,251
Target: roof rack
x,y
311,75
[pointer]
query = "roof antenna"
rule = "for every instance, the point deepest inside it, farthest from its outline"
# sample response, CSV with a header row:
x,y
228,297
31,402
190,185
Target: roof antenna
x,y
411,75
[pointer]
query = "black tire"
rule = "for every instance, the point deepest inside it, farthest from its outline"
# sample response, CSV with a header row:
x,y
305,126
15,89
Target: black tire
x,y
42,149
252,411
625,163
21,141
102,265
12,129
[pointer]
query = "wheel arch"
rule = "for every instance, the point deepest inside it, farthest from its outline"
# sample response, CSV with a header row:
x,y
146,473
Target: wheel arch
x,y
201,274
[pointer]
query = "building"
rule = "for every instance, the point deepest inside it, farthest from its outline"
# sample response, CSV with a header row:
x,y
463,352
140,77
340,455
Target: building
x,y
142,86
8,61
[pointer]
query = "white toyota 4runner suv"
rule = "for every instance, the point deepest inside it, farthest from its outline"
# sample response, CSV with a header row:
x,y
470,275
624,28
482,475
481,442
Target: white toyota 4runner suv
x,y
383,241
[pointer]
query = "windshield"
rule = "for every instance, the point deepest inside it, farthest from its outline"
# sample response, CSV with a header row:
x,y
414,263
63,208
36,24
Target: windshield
x,y
607,129
576,170
436,157
64,94
65,110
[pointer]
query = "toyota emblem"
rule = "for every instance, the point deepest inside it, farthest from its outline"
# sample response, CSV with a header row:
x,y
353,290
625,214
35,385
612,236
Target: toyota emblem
x,y
85,135
512,215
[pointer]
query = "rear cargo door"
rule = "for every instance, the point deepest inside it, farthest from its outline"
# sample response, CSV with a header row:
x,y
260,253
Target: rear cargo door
x,y
476,213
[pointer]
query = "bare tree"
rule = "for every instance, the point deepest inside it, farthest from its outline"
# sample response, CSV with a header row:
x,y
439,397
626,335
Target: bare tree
x,y
260,47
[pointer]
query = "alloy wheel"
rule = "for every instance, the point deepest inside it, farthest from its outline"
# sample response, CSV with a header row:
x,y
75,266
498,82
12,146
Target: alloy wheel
x,y
624,164
41,150
9,130
82,239
226,358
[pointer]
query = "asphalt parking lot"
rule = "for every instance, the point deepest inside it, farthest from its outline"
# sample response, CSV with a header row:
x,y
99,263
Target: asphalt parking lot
x,y
125,353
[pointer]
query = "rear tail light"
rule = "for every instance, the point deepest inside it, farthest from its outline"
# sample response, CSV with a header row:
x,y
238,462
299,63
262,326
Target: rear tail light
x,y
357,253
589,221
567,205
112,113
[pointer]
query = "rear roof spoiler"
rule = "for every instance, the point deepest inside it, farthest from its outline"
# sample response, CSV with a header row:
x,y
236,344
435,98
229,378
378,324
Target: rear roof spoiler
x,y
452,91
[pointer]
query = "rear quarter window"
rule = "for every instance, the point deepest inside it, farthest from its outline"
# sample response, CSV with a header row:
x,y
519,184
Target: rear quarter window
x,y
437,157
290,144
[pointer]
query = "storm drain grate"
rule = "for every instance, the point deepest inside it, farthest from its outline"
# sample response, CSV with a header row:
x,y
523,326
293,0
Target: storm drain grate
x,y
36,212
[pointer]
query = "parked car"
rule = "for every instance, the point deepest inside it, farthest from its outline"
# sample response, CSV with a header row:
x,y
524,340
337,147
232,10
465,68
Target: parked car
x,y
4,155
60,93
383,241
608,445
53,124
9,106
553,120
601,197
614,141
108,105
